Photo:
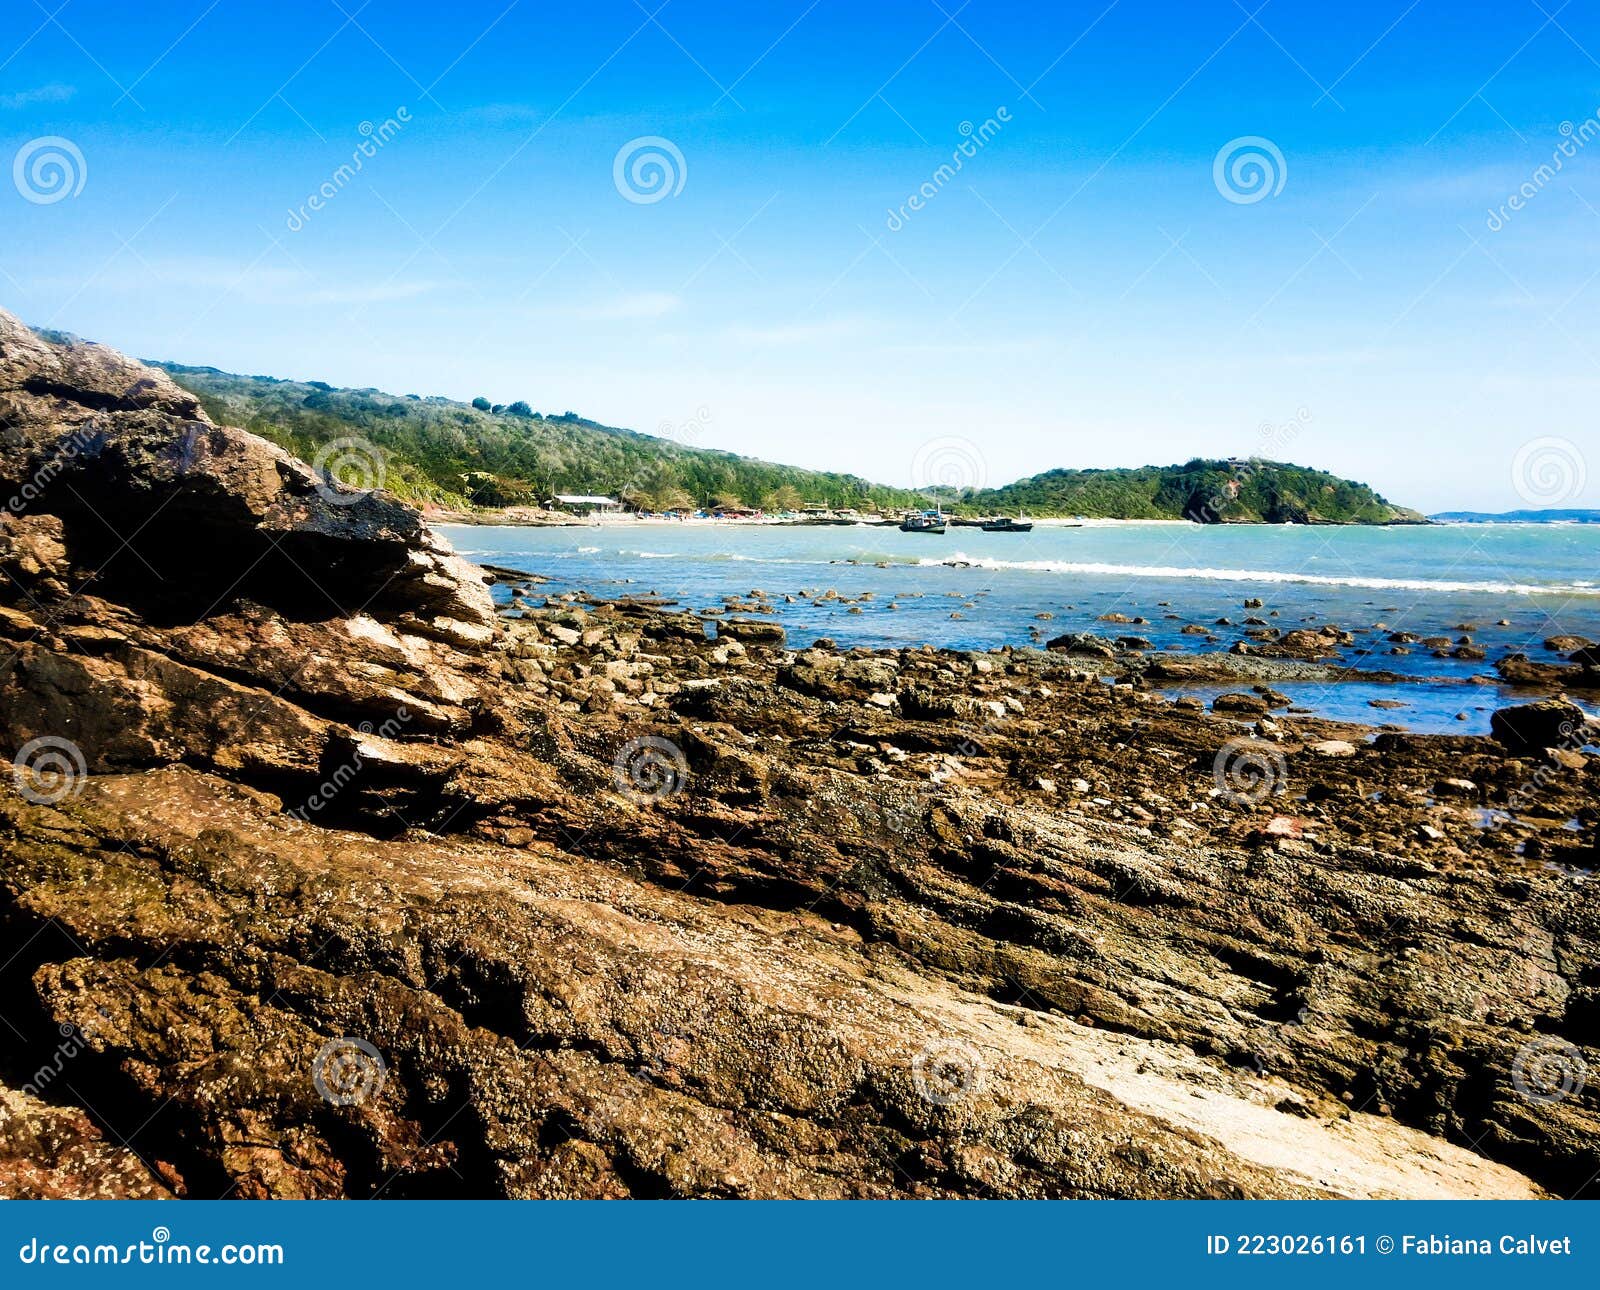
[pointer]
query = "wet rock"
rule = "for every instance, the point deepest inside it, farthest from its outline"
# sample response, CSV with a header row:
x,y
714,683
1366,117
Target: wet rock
x,y
1083,643
1518,669
1332,748
1550,723
769,635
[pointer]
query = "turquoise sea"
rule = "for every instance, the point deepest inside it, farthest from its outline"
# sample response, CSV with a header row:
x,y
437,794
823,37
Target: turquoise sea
x,y
972,590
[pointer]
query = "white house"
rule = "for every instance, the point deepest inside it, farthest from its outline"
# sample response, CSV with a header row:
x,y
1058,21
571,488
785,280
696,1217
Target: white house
x,y
583,503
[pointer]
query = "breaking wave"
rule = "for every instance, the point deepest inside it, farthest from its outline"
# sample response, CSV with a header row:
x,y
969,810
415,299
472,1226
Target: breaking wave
x,y
1262,575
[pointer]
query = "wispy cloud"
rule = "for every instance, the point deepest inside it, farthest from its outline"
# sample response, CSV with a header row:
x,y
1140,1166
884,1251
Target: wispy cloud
x,y
43,94
261,283
378,293
797,333
645,304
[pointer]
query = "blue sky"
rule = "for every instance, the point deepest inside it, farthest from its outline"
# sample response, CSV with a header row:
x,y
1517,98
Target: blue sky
x,y
1085,291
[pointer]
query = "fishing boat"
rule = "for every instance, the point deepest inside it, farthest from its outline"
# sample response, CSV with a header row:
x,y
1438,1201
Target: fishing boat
x,y
922,522
1005,524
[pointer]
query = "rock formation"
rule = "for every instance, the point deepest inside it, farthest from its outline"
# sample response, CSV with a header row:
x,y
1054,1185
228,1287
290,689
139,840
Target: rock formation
x,y
319,879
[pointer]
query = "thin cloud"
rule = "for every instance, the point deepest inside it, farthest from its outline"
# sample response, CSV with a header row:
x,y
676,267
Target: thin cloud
x,y
802,333
645,304
44,94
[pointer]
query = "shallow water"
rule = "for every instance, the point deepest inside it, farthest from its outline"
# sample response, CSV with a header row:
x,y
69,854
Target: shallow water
x,y
1545,579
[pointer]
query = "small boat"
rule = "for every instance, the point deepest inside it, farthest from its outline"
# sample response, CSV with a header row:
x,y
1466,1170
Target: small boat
x,y
1004,524
922,522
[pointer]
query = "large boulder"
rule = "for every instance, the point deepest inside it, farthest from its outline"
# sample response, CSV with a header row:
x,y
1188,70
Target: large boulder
x,y
1550,723
178,514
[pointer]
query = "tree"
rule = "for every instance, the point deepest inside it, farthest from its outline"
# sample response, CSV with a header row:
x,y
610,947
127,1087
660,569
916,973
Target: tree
x,y
727,502
672,498
519,409
481,403
783,498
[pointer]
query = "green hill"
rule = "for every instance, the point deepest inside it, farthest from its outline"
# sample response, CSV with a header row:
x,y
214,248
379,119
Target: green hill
x,y
478,455
460,454
1206,491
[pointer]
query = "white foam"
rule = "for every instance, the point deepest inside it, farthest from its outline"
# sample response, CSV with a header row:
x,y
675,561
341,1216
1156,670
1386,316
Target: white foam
x,y
1258,575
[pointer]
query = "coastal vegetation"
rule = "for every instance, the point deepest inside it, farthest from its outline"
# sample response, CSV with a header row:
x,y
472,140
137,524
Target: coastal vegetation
x,y
1236,490
486,455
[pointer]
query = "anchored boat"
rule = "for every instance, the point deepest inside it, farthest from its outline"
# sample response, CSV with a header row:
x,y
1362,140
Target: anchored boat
x,y
1004,524
922,522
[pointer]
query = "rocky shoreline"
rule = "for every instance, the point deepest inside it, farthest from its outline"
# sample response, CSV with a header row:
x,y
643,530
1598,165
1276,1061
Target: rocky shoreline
x,y
320,877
